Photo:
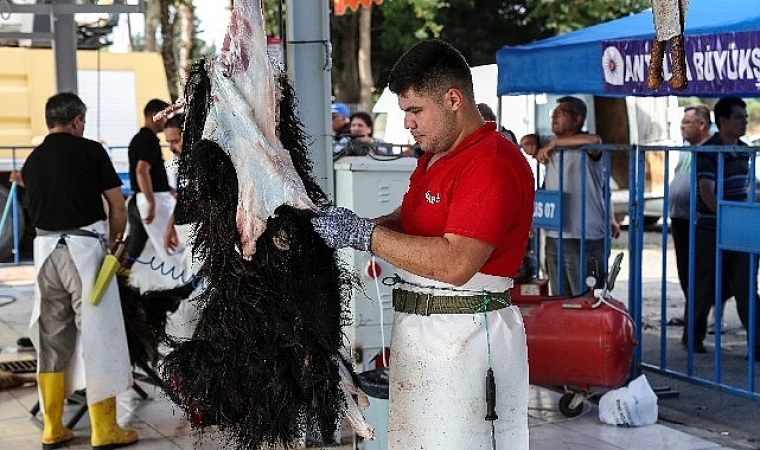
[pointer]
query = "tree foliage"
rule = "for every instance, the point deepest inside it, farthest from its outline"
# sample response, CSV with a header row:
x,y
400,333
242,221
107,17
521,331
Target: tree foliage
x,y
562,16
478,28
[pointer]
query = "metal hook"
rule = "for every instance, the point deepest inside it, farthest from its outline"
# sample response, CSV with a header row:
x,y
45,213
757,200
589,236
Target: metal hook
x,y
5,9
392,281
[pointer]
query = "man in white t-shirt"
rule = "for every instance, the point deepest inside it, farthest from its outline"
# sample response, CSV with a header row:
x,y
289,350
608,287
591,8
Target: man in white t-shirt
x,y
567,124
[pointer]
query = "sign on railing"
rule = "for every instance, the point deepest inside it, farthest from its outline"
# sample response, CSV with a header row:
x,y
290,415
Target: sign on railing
x,y
546,210
735,234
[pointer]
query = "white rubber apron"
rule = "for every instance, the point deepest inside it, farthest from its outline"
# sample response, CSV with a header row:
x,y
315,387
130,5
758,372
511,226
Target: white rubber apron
x,y
101,348
438,371
163,211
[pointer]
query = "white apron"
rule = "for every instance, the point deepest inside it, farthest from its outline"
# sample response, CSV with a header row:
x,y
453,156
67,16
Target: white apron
x,y
438,371
163,211
101,348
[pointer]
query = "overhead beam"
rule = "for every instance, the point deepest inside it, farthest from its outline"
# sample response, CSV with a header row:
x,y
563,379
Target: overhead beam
x,y
14,35
60,8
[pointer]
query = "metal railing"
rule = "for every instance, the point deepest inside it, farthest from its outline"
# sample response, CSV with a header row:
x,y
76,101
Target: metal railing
x,y
649,265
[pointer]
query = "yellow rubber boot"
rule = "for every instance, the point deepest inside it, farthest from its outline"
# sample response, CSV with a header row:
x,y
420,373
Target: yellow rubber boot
x,y
54,434
106,433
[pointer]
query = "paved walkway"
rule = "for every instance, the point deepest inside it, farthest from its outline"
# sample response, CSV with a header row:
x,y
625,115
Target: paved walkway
x,y
161,426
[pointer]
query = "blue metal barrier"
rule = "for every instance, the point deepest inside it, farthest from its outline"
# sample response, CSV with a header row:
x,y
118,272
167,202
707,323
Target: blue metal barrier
x,y
549,210
736,231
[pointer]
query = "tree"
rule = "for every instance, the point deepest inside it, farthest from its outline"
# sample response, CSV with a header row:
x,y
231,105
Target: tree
x,y
364,58
344,34
478,28
187,41
152,21
178,44
569,15
354,38
167,48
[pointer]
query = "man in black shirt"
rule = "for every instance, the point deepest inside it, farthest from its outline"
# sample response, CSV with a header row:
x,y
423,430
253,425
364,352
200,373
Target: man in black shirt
x,y
731,119
148,178
66,178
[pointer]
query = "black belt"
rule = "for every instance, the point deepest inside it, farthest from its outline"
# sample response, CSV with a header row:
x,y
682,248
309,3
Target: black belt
x,y
72,232
426,304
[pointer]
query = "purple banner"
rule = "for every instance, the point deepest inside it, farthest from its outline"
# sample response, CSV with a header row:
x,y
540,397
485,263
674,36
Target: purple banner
x,y
718,64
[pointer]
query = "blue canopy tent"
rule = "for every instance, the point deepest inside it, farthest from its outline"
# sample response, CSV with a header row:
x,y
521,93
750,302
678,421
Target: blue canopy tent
x,y
611,59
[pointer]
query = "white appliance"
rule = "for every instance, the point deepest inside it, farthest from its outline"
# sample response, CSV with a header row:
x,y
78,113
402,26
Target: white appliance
x,y
371,188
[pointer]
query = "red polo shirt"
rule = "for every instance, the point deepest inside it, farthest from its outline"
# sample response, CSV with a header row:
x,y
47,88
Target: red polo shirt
x,y
483,189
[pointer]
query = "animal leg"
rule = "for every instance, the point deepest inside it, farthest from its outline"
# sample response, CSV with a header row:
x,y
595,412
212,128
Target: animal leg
x,y
654,76
678,79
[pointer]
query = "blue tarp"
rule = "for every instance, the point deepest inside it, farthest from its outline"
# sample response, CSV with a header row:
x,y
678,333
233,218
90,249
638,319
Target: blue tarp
x,y
580,62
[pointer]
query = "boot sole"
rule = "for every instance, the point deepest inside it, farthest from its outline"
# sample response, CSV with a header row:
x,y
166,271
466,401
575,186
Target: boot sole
x,y
112,446
56,445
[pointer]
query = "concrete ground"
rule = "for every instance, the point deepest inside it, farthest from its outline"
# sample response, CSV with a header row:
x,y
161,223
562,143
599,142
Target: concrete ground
x,y
711,413
699,418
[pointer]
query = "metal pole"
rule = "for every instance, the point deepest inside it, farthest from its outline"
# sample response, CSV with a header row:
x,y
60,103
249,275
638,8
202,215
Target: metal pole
x,y
65,50
309,65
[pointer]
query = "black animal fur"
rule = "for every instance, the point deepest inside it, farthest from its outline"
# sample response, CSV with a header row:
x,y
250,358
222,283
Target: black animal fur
x,y
261,364
145,319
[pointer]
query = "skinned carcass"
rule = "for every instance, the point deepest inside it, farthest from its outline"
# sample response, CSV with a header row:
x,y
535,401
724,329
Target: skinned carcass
x,y
264,363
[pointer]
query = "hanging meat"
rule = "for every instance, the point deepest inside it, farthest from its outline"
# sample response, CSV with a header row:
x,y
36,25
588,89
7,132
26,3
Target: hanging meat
x,y
266,361
669,17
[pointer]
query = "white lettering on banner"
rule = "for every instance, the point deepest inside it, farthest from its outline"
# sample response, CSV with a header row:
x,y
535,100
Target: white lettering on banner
x,y
733,74
543,210
745,69
756,61
634,70
731,64
722,60
709,65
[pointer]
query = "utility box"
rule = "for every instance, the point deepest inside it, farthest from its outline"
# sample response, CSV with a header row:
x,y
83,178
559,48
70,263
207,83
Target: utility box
x,y
371,188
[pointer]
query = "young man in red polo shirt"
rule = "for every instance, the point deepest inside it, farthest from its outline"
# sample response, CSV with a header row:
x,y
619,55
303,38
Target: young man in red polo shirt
x,y
457,239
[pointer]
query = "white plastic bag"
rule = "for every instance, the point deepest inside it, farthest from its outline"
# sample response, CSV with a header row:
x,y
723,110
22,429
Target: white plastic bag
x,y
634,405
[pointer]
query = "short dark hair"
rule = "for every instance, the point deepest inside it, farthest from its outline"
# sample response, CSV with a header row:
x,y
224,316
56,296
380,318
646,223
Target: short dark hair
x,y
577,106
431,67
725,107
701,111
365,117
176,121
486,112
154,106
61,109
510,135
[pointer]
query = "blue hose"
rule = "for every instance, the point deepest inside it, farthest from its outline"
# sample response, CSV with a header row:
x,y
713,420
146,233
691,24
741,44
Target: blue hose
x,y
8,203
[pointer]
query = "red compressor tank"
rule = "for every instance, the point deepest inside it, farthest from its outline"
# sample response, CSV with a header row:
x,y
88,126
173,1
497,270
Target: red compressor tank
x,y
578,342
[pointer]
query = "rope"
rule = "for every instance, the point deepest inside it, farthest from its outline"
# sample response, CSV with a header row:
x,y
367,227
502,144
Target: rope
x,y
483,308
488,336
396,279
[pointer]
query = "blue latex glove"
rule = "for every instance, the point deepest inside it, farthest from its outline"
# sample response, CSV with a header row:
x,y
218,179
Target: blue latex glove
x,y
341,227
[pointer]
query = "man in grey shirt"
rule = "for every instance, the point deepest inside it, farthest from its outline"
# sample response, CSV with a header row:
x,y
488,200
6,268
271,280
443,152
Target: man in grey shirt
x,y
695,129
567,122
